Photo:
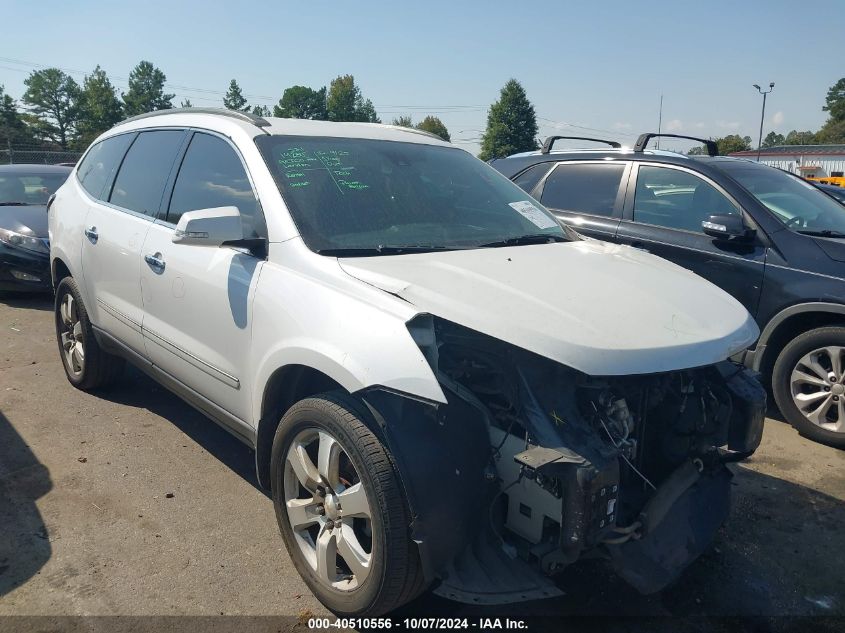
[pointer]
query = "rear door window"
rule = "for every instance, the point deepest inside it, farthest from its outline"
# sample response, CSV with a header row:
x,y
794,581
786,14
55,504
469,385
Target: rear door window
x,y
528,179
589,188
140,182
100,163
677,199
212,175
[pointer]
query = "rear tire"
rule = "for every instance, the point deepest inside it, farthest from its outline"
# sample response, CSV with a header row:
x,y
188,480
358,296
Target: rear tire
x,y
808,383
87,366
391,574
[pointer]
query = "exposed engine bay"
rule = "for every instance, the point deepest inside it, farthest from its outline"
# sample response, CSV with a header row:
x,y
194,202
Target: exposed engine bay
x,y
627,468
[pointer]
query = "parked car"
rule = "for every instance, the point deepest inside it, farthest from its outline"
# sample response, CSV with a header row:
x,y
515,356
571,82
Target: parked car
x,y
24,249
833,190
437,379
770,239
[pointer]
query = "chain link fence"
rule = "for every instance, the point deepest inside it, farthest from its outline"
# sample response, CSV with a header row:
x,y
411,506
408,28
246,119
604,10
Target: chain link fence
x,y
15,156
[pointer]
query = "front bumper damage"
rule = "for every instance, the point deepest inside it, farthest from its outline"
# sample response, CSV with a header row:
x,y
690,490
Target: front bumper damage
x,y
24,271
532,466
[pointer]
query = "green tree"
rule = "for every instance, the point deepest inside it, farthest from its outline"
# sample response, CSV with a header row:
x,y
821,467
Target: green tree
x,y
346,103
831,132
773,139
835,101
13,129
511,124
146,90
302,102
733,143
435,126
53,100
234,99
99,107
261,110
800,138
403,121
367,112
186,103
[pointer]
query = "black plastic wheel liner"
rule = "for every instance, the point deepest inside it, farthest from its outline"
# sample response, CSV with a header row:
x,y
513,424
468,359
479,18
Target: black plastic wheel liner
x,y
441,453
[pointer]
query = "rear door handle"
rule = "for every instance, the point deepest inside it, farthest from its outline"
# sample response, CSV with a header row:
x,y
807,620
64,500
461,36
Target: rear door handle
x,y
92,234
156,262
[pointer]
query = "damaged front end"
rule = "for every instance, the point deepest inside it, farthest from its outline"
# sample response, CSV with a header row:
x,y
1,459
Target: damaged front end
x,y
532,465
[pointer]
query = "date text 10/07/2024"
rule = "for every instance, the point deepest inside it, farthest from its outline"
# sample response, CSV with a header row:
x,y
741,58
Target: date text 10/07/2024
x,y
416,624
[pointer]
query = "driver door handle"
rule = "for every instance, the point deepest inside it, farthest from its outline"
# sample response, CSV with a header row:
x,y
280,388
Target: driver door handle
x,y
156,262
92,234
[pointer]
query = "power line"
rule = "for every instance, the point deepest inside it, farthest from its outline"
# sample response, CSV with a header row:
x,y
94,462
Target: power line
x,y
584,127
387,109
119,78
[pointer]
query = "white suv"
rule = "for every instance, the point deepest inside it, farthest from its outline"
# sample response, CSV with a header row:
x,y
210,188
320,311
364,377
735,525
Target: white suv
x,y
443,387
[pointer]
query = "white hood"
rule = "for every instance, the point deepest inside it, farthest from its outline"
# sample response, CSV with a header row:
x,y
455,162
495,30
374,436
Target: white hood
x,y
598,307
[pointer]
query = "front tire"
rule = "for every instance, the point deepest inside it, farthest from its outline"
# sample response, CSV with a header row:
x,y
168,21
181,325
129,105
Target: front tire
x,y
341,509
808,382
87,367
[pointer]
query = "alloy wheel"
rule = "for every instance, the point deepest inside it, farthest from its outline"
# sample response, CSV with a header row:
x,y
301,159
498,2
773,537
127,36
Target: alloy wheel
x,y
73,343
817,385
328,510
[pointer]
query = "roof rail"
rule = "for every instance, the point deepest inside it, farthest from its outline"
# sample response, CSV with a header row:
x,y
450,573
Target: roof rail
x,y
642,141
547,144
246,117
415,131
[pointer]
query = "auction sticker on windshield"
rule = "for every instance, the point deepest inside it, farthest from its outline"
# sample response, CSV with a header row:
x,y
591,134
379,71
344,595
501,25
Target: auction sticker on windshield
x,y
533,214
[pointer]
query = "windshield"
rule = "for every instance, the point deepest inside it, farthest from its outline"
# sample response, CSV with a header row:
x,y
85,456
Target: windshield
x,y
363,197
26,189
795,202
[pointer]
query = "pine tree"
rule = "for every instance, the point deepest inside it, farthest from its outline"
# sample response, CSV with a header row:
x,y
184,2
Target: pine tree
x,y
234,99
99,107
13,130
511,124
53,100
146,90
403,121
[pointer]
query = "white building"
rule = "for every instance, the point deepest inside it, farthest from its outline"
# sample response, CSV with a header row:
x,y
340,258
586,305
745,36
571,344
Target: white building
x,y
817,161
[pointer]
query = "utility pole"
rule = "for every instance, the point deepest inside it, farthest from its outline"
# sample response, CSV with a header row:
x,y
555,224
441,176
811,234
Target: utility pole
x,y
659,120
762,116
9,141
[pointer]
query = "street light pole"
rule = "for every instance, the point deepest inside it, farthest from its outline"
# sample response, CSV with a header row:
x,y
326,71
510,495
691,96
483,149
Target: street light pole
x,y
762,116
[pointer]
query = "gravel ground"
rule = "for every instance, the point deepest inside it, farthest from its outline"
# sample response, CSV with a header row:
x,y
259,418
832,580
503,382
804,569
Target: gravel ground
x,y
132,504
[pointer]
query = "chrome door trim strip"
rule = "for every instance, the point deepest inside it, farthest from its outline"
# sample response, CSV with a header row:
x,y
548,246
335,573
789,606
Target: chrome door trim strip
x,y
199,363
120,316
239,428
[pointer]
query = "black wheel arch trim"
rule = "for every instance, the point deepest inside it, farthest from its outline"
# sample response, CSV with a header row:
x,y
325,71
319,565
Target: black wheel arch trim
x,y
754,358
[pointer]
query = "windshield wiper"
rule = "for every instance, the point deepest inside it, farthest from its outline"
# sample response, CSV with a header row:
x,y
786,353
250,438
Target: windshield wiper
x,y
12,203
522,240
823,233
383,249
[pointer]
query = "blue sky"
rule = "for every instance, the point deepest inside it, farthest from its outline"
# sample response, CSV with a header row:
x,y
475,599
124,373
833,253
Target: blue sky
x,y
598,65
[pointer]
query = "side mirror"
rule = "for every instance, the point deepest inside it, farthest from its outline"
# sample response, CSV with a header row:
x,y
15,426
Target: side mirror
x,y
726,227
209,227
